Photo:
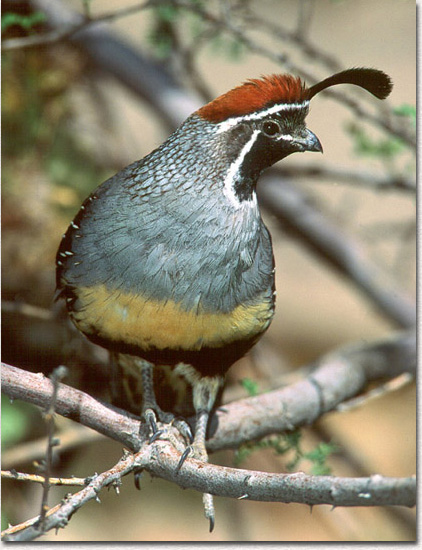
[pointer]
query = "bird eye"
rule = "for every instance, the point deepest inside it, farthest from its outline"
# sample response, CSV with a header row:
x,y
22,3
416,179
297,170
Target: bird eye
x,y
271,128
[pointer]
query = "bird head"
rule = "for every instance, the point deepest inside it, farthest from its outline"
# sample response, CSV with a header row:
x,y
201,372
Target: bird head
x,y
263,120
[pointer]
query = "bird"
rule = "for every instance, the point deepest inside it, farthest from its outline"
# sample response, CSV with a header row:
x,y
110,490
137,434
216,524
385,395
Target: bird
x,y
169,264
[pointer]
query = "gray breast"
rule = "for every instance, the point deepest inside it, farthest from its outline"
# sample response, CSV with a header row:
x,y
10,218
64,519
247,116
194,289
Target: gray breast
x,y
152,230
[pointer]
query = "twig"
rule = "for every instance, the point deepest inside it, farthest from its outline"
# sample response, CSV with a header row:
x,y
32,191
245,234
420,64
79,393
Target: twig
x,y
27,309
390,386
59,481
73,26
291,207
357,178
27,452
57,375
9,533
60,516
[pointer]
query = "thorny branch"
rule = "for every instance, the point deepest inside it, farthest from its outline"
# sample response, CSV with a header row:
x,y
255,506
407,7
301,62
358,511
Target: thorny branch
x,y
57,375
59,516
161,460
58,481
336,378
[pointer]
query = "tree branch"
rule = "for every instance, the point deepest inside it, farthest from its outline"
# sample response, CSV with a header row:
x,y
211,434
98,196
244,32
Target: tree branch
x,y
161,459
71,403
357,178
34,478
335,378
291,207
59,516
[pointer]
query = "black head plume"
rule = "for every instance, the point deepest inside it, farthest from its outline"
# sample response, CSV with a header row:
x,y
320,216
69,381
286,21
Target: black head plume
x,y
374,81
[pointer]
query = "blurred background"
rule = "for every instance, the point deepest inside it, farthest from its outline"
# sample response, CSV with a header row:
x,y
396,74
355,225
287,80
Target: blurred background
x,y
77,110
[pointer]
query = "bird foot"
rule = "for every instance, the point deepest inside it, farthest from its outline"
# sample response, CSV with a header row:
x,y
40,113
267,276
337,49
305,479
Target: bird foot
x,y
165,426
194,450
198,452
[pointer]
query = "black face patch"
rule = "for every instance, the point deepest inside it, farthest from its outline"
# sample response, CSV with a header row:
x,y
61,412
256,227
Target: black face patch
x,y
236,139
267,147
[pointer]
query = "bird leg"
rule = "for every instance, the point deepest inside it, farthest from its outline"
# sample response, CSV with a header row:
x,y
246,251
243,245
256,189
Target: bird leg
x,y
151,411
205,391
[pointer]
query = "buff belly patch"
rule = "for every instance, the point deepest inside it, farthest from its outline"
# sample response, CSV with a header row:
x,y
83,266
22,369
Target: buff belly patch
x,y
140,321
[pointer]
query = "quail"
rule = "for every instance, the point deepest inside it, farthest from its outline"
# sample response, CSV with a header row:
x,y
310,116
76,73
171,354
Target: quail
x,y
169,265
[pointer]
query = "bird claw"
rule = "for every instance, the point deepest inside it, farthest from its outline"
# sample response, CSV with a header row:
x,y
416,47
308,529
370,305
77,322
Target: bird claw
x,y
206,497
164,426
156,435
184,428
208,501
137,478
182,459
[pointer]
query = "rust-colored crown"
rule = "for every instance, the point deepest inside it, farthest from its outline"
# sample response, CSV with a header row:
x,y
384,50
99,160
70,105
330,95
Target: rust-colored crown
x,y
262,93
253,96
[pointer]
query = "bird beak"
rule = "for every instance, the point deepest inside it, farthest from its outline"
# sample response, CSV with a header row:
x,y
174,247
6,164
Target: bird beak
x,y
308,142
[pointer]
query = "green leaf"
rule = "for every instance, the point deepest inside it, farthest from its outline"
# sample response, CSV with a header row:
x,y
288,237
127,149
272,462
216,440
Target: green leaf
x,y
290,442
250,386
406,110
319,455
26,22
384,148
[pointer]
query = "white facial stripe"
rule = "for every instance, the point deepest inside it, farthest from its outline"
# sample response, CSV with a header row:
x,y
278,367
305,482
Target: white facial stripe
x,y
230,122
234,171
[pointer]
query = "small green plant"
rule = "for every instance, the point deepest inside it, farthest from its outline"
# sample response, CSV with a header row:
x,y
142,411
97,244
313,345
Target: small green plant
x,y
392,152
26,22
290,442
173,26
250,386
383,148
408,111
